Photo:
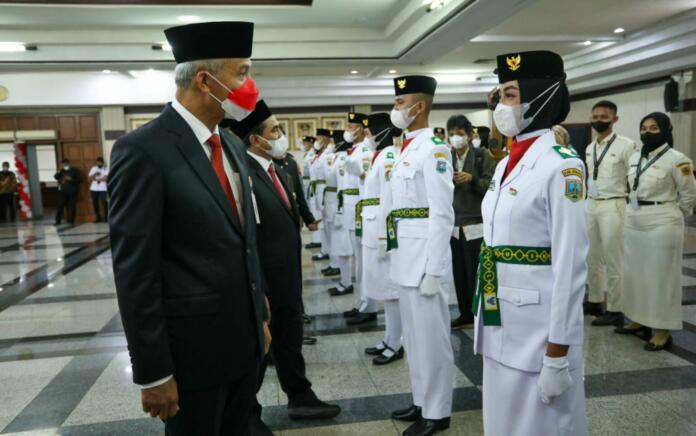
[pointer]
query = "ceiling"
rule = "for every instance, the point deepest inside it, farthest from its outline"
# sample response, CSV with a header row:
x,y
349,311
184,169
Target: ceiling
x,y
316,48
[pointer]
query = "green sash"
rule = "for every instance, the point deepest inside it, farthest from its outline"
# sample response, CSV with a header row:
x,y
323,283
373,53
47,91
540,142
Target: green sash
x,y
416,212
342,192
313,186
328,189
358,212
488,275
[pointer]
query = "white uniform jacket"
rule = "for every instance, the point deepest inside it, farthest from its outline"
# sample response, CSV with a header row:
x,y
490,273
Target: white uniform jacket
x,y
357,163
422,178
540,204
377,182
316,172
330,202
306,161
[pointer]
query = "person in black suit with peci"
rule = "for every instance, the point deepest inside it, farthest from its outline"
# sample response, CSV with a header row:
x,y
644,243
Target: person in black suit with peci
x,y
188,276
278,232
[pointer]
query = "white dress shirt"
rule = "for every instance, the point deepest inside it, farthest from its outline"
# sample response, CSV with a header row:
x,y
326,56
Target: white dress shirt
x,y
265,163
612,171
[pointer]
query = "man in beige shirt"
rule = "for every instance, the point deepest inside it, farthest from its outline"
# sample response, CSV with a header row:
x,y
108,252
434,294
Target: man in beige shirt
x,y
607,159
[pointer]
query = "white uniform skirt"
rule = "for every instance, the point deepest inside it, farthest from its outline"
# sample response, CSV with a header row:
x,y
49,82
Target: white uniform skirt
x,y
340,238
653,247
375,275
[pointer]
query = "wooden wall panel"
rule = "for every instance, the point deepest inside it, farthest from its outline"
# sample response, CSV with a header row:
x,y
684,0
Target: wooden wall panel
x,y
82,156
47,123
8,123
67,128
88,127
26,123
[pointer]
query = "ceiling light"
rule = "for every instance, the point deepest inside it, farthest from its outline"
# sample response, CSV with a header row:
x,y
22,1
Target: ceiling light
x,y
166,46
50,285
392,71
12,47
354,72
189,18
105,72
586,43
60,259
619,30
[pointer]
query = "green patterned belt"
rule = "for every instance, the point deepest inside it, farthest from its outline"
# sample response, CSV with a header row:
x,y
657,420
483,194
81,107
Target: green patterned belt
x,y
358,212
305,177
415,212
313,186
342,192
328,189
488,275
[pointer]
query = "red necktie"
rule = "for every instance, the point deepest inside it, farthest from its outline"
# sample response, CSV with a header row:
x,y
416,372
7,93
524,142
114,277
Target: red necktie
x,y
219,168
517,151
407,141
278,186
375,156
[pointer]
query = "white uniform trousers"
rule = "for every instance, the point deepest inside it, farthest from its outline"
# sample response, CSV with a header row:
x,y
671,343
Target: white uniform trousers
x,y
392,324
316,236
605,228
325,229
364,304
426,328
512,405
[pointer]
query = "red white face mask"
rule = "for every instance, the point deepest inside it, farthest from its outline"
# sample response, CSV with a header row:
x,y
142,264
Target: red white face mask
x,y
239,102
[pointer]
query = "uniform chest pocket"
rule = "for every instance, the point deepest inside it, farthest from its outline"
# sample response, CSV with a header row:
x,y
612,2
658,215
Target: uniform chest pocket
x,y
405,178
655,175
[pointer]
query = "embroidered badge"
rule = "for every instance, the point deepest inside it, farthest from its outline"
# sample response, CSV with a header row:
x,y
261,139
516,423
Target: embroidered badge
x,y
387,175
437,140
390,155
366,163
572,172
685,169
574,190
514,62
513,191
441,166
366,149
564,152
440,155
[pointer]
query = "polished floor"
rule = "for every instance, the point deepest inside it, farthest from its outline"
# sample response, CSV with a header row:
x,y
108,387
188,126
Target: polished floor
x,y
64,365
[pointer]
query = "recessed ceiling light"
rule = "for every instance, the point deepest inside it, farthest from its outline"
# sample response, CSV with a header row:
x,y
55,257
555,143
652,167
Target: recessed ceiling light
x,y
392,71
12,47
105,72
166,46
619,30
587,43
189,18
354,72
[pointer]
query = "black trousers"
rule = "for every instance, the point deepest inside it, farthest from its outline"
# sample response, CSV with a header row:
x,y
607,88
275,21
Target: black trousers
x,y
66,200
7,201
99,199
224,410
465,258
287,330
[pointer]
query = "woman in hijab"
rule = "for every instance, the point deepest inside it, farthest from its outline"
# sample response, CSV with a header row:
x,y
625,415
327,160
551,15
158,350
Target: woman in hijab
x,y
663,193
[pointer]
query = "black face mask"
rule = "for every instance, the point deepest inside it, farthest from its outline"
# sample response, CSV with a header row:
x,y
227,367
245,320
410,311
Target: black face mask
x,y
601,126
651,141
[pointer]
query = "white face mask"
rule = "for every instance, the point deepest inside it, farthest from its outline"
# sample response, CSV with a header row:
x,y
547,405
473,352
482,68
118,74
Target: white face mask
x,y
510,120
317,145
370,142
457,141
400,118
278,147
348,136
476,142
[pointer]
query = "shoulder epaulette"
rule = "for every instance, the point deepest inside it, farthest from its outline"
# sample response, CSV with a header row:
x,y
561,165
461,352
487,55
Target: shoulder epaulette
x,y
437,140
565,152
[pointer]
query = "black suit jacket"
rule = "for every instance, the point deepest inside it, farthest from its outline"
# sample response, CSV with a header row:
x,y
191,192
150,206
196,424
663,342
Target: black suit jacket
x,y
278,237
294,183
68,186
188,277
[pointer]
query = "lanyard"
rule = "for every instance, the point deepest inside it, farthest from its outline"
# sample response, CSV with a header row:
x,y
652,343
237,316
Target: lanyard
x,y
598,162
640,170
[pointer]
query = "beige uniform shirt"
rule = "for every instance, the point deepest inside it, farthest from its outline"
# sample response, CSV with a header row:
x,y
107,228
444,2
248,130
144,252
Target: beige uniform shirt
x,y
611,173
669,179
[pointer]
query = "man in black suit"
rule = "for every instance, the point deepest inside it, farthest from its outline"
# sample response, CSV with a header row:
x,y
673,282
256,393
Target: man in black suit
x,y
68,178
188,277
278,232
294,184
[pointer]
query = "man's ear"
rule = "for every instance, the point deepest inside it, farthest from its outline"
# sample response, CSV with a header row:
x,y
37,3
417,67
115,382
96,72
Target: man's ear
x,y
201,81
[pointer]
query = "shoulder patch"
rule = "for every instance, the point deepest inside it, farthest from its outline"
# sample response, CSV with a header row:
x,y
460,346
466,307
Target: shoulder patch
x,y
437,140
441,155
441,166
685,168
574,184
565,152
572,172
390,155
366,149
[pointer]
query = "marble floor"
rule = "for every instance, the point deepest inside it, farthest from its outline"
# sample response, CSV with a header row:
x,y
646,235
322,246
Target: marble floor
x,y
64,367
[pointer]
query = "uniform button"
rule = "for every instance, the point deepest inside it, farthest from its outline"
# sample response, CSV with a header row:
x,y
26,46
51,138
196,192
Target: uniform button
x,y
518,300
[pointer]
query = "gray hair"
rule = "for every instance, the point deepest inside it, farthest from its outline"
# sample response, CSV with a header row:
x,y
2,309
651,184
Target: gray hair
x,y
186,71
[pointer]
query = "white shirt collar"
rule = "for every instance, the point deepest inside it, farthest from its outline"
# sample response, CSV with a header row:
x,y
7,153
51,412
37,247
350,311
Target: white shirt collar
x,y
413,133
200,130
524,136
265,163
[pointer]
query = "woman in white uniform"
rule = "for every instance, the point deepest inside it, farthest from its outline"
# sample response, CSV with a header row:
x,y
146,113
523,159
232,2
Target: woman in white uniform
x,y
532,273
663,193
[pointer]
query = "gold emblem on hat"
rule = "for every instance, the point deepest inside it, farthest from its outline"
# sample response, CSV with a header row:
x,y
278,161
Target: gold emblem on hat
x,y
365,121
514,62
351,116
401,83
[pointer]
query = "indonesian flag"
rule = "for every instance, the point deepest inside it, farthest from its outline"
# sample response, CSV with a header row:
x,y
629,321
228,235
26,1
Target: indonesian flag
x,y
241,101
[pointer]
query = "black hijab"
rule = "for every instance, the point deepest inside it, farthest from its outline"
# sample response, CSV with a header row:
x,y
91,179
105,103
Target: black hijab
x,y
554,111
665,125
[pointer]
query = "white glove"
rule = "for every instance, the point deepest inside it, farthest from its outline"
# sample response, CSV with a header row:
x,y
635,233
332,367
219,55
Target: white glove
x,y
554,379
429,286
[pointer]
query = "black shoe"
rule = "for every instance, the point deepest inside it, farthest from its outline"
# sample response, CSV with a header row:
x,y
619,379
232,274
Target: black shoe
x,y
427,427
594,309
313,409
610,318
320,256
309,340
653,347
260,428
328,268
461,323
313,245
376,351
351,313
409,414
362,318
641,331
332,272
306,319
384,360
336,292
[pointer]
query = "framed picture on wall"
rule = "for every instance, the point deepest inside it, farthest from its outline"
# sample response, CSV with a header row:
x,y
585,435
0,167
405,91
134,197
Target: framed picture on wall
x,y
303,127
285,125
333,123
137,122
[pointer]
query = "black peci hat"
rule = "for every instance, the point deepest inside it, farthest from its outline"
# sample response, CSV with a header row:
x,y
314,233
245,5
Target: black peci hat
x,y
356,118
308,139
213,40
324,132
529,65
439,130
242,128
337,136
414,85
